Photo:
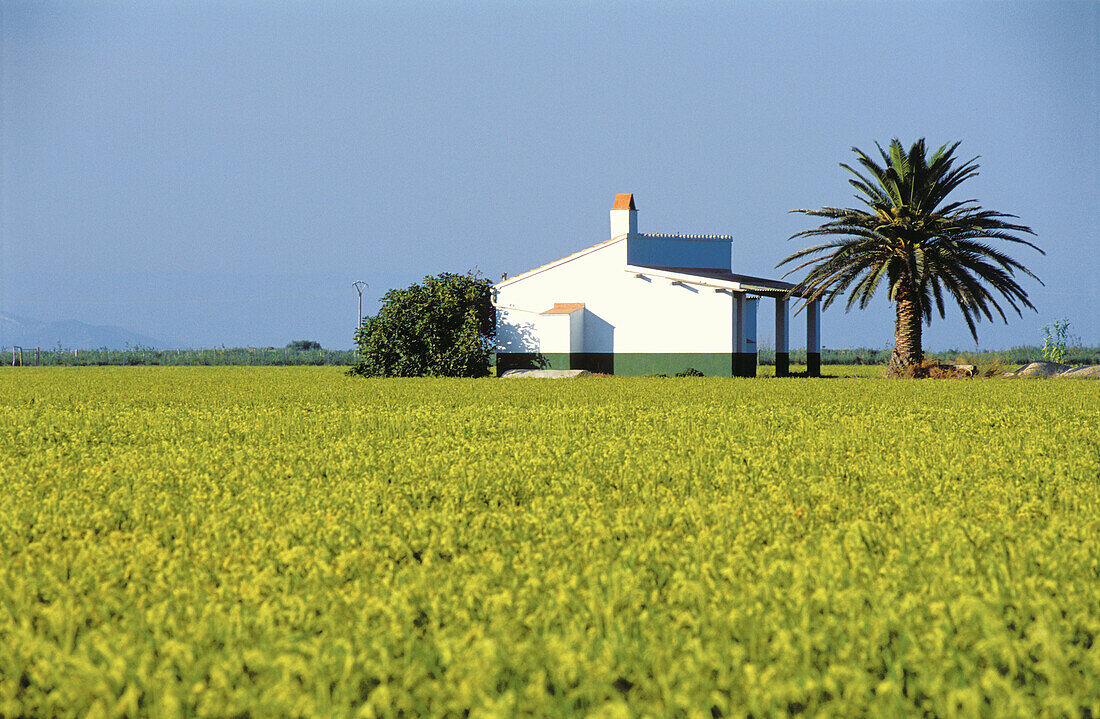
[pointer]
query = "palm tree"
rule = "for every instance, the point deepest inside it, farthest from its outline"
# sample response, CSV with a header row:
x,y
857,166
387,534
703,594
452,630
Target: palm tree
x,y
922,248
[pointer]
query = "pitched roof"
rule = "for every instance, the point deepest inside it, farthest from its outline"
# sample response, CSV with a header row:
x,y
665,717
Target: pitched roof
x,y
564,308
563,260
624,202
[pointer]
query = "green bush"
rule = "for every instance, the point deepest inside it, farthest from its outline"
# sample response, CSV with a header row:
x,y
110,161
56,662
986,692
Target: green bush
x,y
1055,339
444,327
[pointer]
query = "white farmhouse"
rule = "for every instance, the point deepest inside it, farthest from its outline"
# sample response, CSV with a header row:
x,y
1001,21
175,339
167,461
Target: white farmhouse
x,y
643,304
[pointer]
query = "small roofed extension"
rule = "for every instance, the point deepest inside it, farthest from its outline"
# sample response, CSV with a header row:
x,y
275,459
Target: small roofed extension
x,y
640,304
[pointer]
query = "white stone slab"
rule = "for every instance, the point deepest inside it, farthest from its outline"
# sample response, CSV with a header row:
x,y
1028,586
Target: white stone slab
x,y
545,373
1091,372
1041,369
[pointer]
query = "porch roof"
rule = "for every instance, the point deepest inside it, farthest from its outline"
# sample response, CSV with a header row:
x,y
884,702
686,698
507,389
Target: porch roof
x,y
717,278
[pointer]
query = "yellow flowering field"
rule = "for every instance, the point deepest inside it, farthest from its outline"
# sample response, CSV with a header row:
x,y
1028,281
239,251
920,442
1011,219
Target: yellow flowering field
x,y
291,542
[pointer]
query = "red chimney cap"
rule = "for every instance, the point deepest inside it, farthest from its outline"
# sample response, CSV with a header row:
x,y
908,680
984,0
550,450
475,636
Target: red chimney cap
x,y
624,202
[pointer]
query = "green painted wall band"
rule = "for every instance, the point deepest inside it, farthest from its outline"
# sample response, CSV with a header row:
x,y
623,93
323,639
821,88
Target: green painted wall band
x,y
634,364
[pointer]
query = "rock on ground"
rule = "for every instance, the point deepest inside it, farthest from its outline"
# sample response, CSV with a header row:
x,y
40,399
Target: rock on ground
x,y
1091,372
1041,369
544,373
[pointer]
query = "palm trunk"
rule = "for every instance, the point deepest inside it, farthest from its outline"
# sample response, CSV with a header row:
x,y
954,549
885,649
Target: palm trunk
x,y
907,336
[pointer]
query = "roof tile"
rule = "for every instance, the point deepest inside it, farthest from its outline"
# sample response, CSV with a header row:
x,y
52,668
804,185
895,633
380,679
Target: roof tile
x,y
564,308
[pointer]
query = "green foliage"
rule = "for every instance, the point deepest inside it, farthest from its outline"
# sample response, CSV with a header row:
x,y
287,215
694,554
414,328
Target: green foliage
x,y
303,345
1055,339
216,542
689,372
443,328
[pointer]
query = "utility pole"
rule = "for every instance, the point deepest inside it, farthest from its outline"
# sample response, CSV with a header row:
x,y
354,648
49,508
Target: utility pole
x,y
359,286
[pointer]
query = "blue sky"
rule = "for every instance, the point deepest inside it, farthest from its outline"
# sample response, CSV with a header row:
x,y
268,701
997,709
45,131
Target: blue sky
x,y
219,173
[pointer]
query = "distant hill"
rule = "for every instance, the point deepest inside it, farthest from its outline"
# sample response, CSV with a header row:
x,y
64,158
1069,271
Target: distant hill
x,y
70,334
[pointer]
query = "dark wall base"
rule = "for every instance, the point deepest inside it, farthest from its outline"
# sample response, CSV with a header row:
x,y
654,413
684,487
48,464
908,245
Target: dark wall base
x,y
813,364
529,360
782,364
744,364
599,362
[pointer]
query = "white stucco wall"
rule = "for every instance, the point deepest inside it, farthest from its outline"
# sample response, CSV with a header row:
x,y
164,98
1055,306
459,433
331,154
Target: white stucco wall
x,y
576,331
554,331
623,313
518,331
624,222
530,332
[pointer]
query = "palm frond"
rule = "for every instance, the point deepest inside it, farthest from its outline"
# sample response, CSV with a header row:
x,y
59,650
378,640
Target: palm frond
x,y
914,241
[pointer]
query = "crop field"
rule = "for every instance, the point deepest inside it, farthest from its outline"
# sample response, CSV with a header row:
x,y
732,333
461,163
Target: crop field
x,y
291,542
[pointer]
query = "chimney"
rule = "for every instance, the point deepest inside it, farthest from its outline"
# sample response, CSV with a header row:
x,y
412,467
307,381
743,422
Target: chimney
x,y
624,216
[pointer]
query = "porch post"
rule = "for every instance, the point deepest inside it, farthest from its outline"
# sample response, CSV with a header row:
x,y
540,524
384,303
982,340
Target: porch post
x,y
738,333
748,337
813,338
782,338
